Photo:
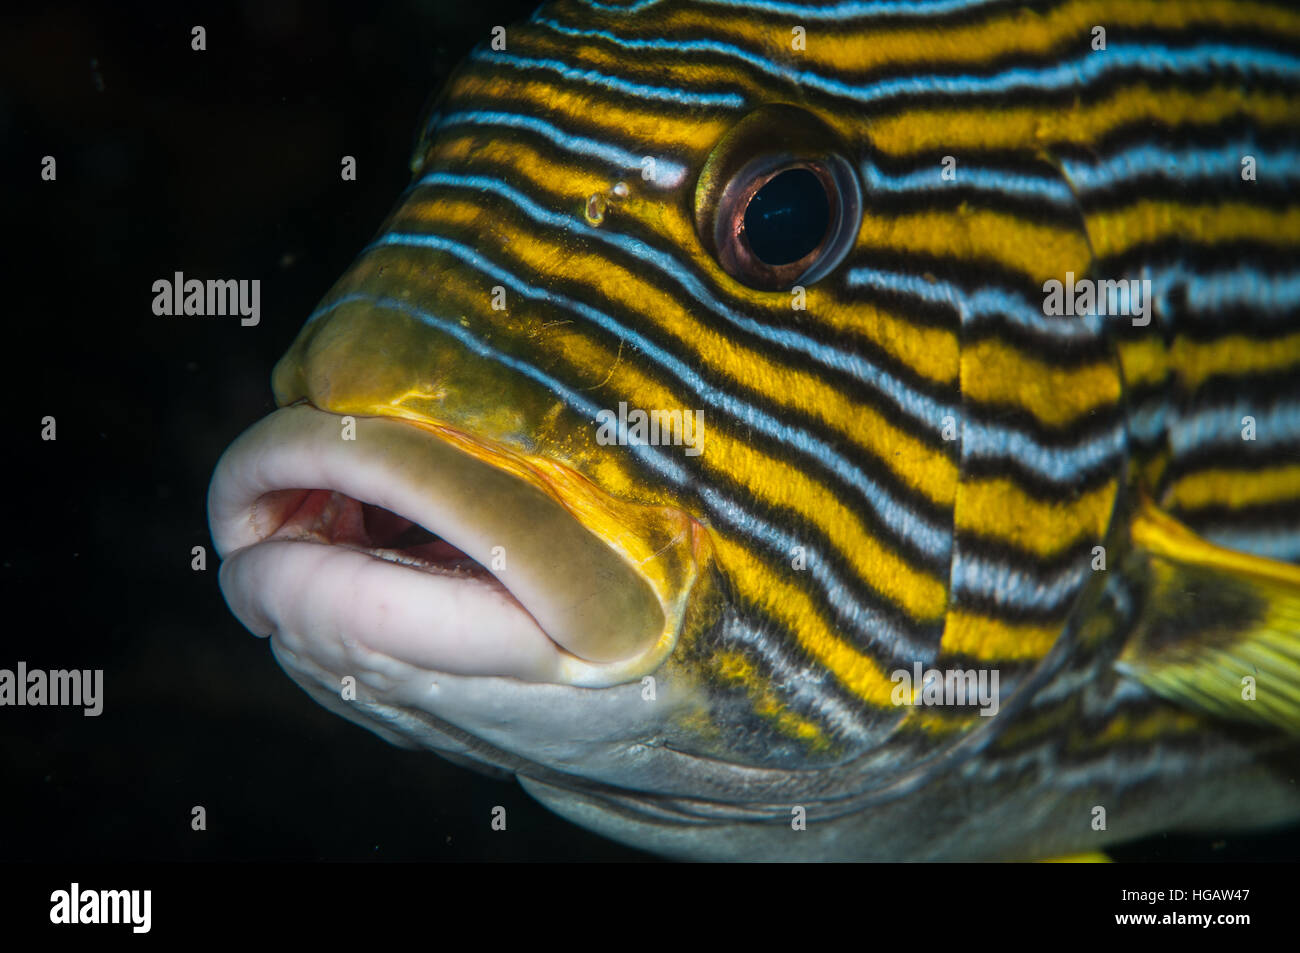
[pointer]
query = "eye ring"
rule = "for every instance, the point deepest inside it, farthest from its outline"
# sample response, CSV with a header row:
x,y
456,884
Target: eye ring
x,y
733,221
786,143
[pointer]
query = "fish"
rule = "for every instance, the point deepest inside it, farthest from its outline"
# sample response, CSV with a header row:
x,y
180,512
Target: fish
x,y
861,430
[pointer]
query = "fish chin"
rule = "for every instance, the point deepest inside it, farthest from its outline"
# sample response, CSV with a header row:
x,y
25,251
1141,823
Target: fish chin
x,y
597,757
384,542
571,737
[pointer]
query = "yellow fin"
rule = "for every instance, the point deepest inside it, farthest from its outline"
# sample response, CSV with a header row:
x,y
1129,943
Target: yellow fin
x,y
1091,857
1220,630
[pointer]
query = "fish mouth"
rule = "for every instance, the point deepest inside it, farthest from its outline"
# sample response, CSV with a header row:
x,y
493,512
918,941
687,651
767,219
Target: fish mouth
x,y
446,551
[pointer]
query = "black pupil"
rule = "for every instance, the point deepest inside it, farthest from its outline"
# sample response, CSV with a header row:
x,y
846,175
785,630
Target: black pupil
x,y
787,218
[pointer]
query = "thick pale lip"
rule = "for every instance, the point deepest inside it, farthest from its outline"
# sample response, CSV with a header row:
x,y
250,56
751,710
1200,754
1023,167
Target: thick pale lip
x,y
535,575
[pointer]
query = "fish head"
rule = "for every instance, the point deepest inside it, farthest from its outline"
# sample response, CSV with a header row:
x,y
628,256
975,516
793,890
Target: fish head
x,y
580,468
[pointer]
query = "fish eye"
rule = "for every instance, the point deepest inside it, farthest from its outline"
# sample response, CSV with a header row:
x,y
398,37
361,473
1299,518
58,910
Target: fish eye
x,y
782,223
786,215
787,218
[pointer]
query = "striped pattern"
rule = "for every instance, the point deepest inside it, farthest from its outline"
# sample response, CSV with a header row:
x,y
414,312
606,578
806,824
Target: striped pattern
x,y
826,428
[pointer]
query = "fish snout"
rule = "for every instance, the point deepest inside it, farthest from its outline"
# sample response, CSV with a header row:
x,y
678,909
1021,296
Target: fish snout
x,y
445,552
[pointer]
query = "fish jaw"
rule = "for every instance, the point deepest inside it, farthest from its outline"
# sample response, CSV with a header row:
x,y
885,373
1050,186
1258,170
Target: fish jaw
x,y
582,590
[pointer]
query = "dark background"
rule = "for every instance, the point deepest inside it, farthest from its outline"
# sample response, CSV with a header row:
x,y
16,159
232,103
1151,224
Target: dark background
x,y
220,164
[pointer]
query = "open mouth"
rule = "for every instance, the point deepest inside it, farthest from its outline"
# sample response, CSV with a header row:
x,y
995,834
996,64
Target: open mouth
x,y
336,519
443,552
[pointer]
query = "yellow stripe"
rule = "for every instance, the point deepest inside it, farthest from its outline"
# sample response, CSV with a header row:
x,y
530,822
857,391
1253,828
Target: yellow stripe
x,y
979,235
637,129
1145,361
930,352
767,703
1159,532
843,48
1058,721
1117,231
578,181
1042,127
1149,726
1000,510
989,639
941,721
1234,488
1234,354
1054,395
789,605
653,67
1151,472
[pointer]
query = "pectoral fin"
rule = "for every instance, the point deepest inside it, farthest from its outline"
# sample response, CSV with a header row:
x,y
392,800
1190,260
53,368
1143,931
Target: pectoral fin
x,y
1220,630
